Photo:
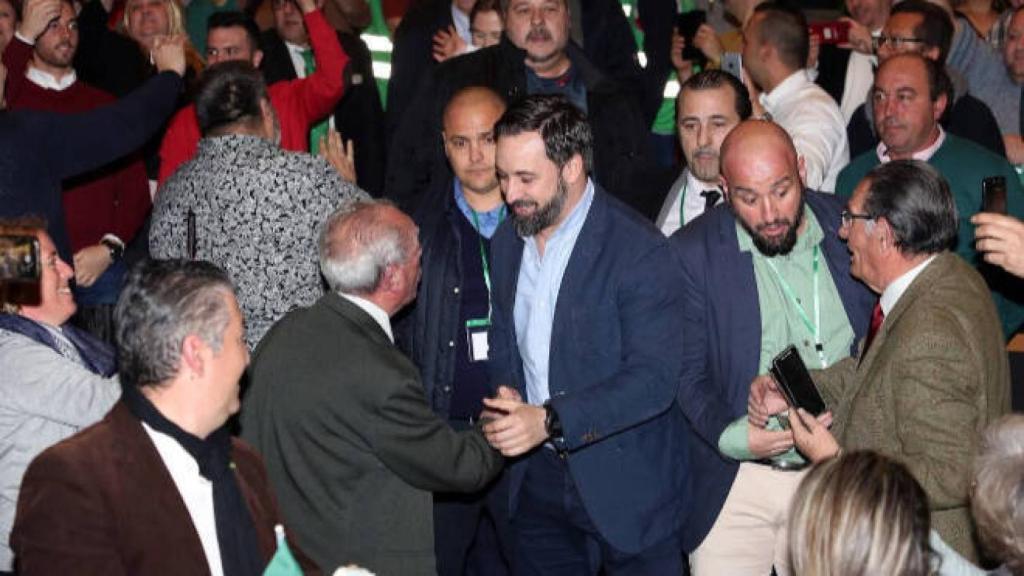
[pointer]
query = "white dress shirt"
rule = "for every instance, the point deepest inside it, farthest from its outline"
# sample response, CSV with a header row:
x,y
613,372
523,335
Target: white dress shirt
x,y
924,154
376,312
860,77
196,492
892,293
48,81
814,122
693,204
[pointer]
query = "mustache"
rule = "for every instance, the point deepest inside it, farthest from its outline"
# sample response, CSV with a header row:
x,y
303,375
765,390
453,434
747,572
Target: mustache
x,y
523,203
539,33
778,222
705,151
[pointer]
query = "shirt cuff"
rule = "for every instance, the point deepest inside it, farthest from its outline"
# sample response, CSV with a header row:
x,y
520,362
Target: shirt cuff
x,y
733,441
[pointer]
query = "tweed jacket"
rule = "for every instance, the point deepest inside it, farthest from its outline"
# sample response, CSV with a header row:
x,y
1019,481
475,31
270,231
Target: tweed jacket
x,y
103,503
935,376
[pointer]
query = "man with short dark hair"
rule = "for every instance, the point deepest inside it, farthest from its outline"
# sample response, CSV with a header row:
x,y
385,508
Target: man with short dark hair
x,y
932,372
103,210
584,353
908,100
353,448
159,485
453,308
775,46
922,27
765,271
535,56
708,107
246,204
297,103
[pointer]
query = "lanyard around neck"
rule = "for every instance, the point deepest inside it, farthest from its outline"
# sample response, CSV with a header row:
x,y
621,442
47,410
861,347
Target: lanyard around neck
x,y
813,327
483,254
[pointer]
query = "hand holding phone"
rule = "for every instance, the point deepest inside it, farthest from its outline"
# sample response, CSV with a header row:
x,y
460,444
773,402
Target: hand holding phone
x,y
795,381
993,194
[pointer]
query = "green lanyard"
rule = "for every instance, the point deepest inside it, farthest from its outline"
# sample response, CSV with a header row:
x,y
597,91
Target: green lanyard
x,y
815,327
682,203
479,322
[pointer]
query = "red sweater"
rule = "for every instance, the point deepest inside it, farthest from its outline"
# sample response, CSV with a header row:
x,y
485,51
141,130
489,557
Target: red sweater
x,y
112,200
298,103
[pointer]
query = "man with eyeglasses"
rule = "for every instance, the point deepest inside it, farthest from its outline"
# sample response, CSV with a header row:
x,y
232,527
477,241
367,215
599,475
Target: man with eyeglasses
x,y
918,26
932,373
909,97
764,271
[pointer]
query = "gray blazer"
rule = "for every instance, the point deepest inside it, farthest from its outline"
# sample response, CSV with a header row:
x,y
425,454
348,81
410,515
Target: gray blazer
x,y
351,445
934,378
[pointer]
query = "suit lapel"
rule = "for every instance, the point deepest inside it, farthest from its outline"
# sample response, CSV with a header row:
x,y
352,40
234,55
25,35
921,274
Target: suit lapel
x,y
745,307
677,187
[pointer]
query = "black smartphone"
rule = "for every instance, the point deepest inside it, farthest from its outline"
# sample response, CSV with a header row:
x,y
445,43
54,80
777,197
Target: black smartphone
x,y
687,24
20,269
993,194
789,371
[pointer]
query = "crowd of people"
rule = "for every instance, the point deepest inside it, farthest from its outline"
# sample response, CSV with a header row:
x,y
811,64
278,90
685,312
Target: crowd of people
x,y
499,321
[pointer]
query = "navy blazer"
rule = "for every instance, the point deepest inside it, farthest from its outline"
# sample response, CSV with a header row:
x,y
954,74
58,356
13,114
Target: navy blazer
x,y
721,328
614,368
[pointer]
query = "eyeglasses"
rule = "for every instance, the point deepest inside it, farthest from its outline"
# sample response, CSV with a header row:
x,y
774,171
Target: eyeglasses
x,y
848,217
896,42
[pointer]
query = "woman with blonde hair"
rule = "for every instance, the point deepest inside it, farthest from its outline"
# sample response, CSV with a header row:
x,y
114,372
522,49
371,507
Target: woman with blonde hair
x,y
860,514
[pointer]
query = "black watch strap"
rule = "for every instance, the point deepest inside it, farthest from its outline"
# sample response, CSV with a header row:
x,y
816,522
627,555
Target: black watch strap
x,y
552,425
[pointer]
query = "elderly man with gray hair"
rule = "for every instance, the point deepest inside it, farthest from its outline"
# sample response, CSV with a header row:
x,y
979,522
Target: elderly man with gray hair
x,y
352,447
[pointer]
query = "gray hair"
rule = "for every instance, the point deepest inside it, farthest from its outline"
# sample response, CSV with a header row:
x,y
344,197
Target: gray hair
x,y
997,502
164,301
357,243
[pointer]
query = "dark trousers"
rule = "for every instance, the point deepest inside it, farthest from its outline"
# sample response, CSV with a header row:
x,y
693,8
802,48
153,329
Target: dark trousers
x,y
472,534
554,534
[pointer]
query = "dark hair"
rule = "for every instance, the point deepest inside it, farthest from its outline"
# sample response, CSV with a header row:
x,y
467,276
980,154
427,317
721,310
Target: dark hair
x,y
233,19
936,27
785,28
562,126
915,199
484,6
162,302
230,92
713,79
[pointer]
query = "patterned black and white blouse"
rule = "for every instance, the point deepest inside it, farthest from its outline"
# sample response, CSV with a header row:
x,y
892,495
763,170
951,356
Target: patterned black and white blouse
x,y
258,212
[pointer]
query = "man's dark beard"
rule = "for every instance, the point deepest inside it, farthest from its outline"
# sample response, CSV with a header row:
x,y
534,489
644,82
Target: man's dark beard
x,y
785,246
543,216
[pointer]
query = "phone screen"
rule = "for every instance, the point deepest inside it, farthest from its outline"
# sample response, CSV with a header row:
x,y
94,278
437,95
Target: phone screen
x,y
993,194
796,383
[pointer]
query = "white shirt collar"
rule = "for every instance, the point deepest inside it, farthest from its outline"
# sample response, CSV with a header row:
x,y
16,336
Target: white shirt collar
x,y
924,155
375,312
785,89
892,293
46,80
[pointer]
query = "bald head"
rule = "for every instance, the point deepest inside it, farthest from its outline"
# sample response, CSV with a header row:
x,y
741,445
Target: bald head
x,y
469,120
755,140
764,184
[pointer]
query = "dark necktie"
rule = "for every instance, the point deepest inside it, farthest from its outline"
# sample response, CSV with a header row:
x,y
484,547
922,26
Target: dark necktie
x,y
877,317
710,198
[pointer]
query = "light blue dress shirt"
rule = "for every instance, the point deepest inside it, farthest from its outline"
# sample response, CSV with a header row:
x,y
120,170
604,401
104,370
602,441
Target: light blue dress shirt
x,y
488,220
537,294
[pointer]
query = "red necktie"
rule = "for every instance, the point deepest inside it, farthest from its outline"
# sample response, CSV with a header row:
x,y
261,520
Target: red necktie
x,y
877,316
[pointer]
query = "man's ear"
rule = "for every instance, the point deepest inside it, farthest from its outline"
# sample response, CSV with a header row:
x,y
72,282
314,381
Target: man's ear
x,y
192,350
573,170
257,58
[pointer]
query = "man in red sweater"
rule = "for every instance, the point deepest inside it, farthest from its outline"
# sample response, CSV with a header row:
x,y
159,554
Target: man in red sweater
x,y
104,209
298,103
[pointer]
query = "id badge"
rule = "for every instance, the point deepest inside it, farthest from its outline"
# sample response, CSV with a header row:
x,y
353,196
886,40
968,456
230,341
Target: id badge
x,y
476,338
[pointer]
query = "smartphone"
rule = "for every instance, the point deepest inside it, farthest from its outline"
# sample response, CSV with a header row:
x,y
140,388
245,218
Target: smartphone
x,y
789,371
836,32
993,194
732,62
20,269
687,24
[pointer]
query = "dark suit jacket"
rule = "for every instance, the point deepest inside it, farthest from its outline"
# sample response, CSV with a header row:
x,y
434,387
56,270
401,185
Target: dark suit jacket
x,y
613,371
721,328
352,448
358,116
102,502
935,376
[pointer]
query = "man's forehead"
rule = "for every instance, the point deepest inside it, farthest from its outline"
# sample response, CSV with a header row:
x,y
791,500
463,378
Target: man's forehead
x,y
720,100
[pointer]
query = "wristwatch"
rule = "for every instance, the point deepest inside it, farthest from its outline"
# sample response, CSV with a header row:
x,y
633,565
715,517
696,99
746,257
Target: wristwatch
x,y
115,247
553,426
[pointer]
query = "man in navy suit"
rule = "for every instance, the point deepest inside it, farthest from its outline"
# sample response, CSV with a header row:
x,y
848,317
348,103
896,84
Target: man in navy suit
x,y
763,271
584,350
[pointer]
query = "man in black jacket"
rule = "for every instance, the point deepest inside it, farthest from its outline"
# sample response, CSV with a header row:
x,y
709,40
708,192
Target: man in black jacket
x,y
445,335
534,57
